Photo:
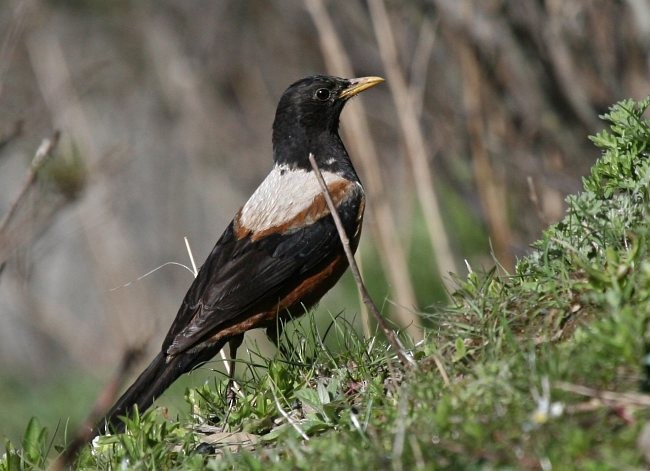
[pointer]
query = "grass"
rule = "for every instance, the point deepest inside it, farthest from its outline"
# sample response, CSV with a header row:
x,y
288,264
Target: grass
x,y
543,368
20,398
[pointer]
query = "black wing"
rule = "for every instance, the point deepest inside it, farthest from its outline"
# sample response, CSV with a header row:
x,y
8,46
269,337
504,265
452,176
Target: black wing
x,y
243,276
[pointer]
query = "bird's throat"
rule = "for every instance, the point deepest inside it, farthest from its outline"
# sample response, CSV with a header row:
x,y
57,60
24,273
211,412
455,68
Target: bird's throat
x,y
293,148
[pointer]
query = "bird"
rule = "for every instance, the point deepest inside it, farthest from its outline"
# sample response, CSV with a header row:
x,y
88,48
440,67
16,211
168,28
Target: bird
x,y
280,253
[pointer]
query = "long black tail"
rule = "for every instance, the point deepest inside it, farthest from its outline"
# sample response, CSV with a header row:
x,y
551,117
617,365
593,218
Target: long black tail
x,y
151,383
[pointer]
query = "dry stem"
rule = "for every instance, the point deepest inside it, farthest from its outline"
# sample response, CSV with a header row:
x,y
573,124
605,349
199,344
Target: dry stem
x,y
610,397
43,153
404,358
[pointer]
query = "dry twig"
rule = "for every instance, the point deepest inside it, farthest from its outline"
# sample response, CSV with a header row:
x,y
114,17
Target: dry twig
x,y
610,397
43,153
403,356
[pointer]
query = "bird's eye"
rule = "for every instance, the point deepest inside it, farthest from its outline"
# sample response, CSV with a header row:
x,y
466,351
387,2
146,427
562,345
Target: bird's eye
x,y
323,94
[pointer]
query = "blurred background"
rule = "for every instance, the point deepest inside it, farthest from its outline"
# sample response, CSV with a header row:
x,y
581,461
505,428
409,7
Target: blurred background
x,y
165,110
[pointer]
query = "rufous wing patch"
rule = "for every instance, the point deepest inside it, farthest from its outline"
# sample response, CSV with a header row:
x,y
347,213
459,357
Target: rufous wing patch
x,y
311,289
238,229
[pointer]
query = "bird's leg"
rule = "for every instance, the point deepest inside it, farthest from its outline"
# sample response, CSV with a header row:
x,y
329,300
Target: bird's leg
x,y
233,343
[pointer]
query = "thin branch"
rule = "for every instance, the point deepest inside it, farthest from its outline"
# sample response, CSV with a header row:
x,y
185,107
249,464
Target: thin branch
x,y
404,358
104,400
611,397
43,153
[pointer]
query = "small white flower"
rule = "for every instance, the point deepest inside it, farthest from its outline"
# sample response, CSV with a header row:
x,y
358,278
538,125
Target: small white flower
x,y
545,410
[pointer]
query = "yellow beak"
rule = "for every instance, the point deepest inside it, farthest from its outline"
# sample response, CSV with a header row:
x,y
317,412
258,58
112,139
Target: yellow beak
x,y
358,85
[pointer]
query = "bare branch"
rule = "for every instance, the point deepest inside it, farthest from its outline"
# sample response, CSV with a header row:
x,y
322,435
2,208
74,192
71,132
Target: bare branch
x,y
610,397
404,358
43,153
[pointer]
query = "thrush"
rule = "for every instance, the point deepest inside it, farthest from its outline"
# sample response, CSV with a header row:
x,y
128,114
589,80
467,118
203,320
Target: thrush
x,y
281,252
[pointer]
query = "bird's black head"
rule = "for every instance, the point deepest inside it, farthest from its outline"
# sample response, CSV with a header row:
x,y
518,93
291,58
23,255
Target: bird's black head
x,y
307,119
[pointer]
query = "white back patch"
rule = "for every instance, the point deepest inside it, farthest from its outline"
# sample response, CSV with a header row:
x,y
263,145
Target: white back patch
x,y
282,195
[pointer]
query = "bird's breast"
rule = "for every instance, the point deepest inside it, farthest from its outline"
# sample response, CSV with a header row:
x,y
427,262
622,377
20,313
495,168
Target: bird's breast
x,y
290,199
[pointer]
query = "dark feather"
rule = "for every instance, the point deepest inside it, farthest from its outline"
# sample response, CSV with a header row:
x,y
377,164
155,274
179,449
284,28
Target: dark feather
x,y
152,382
243,276
258,272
